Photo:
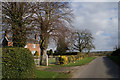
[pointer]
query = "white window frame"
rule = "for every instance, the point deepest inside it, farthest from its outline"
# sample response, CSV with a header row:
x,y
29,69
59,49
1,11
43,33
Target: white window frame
x,y
25,46
33,52
34,45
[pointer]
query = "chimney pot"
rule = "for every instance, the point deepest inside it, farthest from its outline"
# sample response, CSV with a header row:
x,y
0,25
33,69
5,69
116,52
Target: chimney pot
x,y
6,33
36,38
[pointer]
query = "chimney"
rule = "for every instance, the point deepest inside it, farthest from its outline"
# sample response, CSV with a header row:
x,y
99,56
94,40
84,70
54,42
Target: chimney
x,y
36,38
6,33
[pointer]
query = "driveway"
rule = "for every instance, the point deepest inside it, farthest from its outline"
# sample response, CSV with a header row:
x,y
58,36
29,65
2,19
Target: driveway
x,y
101,67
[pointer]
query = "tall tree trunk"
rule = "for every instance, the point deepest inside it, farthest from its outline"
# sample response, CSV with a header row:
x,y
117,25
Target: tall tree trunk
x,y
80,50
44,57
41,54
43,47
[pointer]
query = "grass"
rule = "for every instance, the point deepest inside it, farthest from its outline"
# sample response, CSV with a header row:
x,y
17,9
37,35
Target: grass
x,y
52,75
46,74
51,60
77,63
116,59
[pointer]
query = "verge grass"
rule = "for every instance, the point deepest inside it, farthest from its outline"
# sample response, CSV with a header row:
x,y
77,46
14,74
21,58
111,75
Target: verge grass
x,y
46,74
51,60
52,75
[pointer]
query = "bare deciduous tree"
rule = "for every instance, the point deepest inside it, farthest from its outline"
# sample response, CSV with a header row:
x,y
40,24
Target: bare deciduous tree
x,y
65,41
16,17
83,41
50,19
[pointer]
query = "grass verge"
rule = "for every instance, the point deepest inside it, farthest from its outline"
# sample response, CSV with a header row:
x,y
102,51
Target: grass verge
x,y
51,60
46,74
77,63
116,59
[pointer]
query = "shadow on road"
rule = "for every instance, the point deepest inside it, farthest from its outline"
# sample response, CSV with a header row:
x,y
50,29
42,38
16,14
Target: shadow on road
x,y
112,68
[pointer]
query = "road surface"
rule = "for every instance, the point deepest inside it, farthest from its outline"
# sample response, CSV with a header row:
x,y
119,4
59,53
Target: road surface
x,y
101,67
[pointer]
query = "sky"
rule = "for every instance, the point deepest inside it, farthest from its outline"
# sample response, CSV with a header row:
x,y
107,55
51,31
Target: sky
x,y
101,18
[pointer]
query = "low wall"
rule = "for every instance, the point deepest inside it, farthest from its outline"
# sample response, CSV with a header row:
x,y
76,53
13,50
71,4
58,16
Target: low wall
x,y
37,60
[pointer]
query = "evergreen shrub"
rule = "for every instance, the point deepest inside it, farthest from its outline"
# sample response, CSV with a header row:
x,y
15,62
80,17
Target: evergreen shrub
x,y
17,63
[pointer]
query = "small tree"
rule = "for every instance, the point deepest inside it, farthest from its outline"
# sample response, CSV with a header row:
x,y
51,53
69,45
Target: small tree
x,y
50,52
65,41
61,46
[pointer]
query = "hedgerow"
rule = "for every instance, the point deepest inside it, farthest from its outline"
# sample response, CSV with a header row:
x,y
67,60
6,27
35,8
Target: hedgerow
x,y
68,59
17,63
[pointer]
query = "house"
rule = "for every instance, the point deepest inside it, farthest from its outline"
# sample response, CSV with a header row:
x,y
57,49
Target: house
x,y
32,44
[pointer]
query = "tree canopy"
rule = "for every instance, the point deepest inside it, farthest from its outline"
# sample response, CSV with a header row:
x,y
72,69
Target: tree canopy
x,y
83,41
16,18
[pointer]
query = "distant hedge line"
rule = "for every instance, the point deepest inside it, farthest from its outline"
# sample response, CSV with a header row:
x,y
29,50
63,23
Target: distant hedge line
x,y
67,53
68,59
17,63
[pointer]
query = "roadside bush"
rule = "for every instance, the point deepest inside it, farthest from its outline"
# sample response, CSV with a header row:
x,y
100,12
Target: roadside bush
x,y
50,52
17,63
36,53
116,52
116,59
68,59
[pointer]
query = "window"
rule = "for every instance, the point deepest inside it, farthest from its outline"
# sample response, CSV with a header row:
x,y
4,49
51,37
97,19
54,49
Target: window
x,y
33,52
25,46
33,45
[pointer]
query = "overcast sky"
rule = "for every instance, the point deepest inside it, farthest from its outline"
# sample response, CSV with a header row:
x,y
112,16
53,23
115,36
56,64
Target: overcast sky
x,y
101,18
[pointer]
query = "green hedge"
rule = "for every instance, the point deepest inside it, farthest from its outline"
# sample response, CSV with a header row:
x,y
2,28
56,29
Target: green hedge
x,y
116,52
36,53
116,59
17,63
68,59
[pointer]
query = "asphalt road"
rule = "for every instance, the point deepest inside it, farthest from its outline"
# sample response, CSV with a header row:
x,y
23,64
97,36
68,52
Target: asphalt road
x,y
101,67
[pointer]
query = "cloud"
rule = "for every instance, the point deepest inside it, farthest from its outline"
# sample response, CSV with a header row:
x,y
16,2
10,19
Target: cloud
x,y
101,19
99,33
94,0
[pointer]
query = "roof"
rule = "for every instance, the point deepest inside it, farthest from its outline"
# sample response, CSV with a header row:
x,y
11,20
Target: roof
x,y
32,41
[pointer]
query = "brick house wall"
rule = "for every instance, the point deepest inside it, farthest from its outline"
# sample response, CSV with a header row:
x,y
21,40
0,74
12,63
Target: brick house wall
x,y
10,43
33,47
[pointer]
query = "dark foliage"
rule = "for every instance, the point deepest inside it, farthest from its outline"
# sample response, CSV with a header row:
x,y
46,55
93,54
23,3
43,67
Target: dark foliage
x,y
67,53
49,52
116,52
17,63
16,18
